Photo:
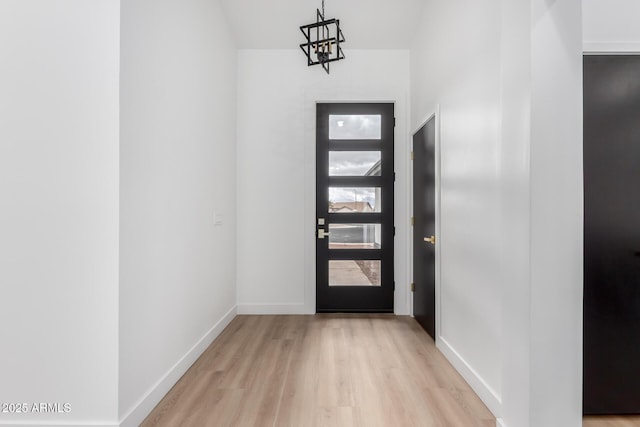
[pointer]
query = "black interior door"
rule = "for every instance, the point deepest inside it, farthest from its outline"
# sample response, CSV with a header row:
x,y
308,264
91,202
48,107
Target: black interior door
x,y
354,207
611,234
424,204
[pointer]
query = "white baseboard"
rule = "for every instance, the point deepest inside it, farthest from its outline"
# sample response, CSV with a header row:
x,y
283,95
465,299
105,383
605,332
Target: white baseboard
x,y
273,309
482,389
146,404
500,423
16,423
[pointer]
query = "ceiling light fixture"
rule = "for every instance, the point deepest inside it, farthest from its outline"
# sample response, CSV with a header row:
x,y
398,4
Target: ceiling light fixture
x,y
323,41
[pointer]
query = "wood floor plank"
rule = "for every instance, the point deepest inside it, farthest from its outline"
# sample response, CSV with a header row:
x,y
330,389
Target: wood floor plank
x,y
323,370
611,421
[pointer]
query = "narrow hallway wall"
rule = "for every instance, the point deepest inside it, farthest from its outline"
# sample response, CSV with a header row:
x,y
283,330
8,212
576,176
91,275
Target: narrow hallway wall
x,y
177,278
455,63
59,210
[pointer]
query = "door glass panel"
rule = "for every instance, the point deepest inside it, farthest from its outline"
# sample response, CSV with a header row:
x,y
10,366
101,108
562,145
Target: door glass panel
x,y
355,236
355,126
354,273
354,163
354,200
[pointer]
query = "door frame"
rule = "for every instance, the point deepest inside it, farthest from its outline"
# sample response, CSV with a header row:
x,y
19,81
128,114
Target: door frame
x,y
588,334
377,296
435,112
305,301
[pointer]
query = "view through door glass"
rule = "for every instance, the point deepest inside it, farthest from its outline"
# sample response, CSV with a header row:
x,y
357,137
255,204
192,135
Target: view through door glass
x,y
354,207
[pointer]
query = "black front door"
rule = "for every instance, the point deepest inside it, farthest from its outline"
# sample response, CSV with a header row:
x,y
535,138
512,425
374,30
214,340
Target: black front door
x,y
611,234
424,204
354,207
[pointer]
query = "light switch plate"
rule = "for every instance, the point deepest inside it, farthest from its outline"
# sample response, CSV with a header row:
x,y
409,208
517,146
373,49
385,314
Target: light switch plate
x,y
217,218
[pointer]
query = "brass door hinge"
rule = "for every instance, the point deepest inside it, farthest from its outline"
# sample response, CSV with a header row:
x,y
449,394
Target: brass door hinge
x,y
413,287
413,221
412,155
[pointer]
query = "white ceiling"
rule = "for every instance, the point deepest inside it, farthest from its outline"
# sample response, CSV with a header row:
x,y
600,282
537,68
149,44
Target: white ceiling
x,y
366,24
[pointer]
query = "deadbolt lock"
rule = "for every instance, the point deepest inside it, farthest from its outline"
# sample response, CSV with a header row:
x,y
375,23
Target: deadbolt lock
x,y
322,234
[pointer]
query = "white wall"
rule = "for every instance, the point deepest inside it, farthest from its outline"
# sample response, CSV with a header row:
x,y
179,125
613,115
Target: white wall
x,y
511,190
59,209
611,25
455,62
556,213
276,168
177,279
516,212
542,158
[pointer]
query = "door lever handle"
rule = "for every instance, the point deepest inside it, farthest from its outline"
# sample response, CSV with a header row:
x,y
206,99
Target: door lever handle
x,y
431,240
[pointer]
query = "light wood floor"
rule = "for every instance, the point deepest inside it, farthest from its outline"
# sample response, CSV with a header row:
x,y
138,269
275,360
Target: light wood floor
x,y
323,370
611,421
327,370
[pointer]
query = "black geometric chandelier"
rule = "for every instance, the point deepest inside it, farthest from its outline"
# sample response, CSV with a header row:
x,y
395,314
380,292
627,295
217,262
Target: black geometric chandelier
x,y
323,41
